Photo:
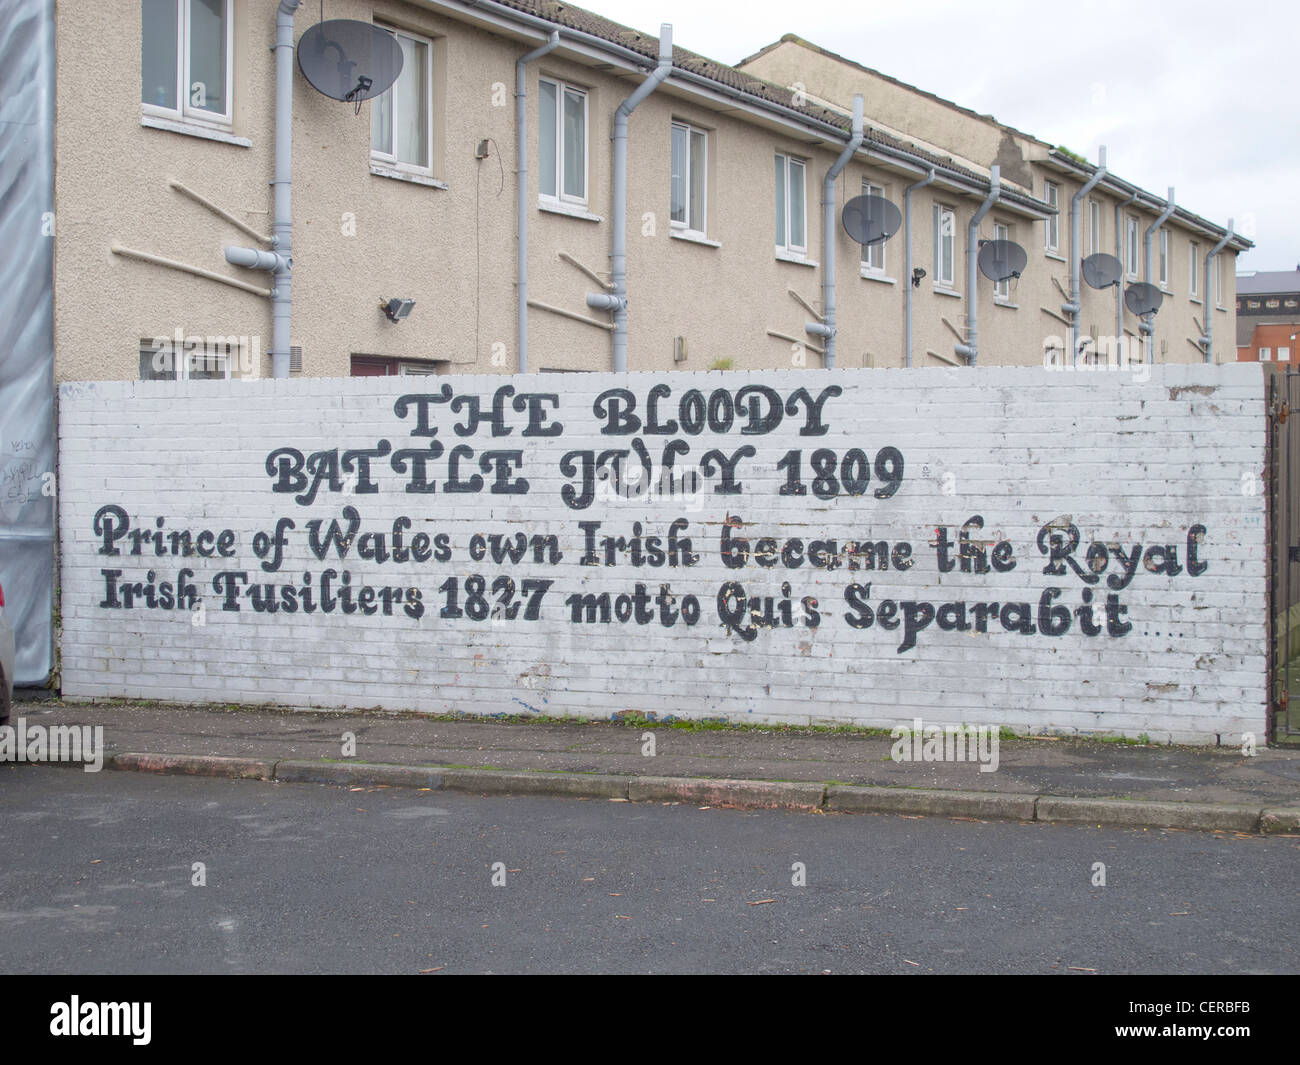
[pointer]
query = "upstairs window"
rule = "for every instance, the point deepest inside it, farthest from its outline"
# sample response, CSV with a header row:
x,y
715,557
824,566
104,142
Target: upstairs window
x,y
689,183
401,119
945,245
1001,289
1131,244
873,255
791,219
1094,227
1164,258
562,142
1193,255
1052,227
186,49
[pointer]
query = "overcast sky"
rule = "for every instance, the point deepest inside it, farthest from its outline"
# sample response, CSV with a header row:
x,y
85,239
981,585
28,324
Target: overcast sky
x,y
1201,96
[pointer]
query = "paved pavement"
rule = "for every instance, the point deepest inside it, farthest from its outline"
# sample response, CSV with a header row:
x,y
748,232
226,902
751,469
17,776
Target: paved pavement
x,y
1067,780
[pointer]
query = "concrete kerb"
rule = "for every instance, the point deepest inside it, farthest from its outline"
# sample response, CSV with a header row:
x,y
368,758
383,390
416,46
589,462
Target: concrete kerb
x,y
842,798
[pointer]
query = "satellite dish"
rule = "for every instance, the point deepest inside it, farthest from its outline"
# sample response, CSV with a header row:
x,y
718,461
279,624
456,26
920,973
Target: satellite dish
x,y
1000,260
1102,270
1142,299
871,219
349,60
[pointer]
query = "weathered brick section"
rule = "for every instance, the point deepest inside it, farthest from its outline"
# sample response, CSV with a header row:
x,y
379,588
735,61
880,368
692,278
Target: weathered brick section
x,y
1128,465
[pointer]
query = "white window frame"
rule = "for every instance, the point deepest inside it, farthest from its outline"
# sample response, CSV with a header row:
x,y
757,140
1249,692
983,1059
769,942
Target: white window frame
x,y
1094,227
1218,285
1164,258
184,111
386,159
180,368
940,211
790,162
560,196
1002,289
688,225
1131,246
1193,253
1052,226
1284,354
1265,354
874,260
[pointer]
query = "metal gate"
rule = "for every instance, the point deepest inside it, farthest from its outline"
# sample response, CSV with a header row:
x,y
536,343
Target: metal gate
x,y
1282,474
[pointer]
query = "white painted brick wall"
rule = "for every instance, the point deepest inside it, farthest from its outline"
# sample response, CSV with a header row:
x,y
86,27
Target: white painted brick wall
x,y
1128,462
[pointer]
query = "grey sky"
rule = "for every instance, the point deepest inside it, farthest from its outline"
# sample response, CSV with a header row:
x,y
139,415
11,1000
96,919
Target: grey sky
x,y
1201,96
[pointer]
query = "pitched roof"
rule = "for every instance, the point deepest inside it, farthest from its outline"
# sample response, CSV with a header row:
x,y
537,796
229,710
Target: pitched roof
x,y
762,92
1259,282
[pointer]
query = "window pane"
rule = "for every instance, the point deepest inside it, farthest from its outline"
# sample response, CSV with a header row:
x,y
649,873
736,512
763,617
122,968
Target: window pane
x,y
797,237
546,140
207,72
158,53
207,363
381,123
156,363
411,105
575,144
698,171
949,245
780,200
677,187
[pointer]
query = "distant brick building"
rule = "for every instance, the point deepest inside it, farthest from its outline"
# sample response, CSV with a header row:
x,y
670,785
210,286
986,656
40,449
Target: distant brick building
x,y
1268,315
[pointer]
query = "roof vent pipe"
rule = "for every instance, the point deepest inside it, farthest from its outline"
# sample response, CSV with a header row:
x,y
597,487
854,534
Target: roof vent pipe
x,y
1076,254
828,231
908,284
1151,231
521,202
970,350
1207,341
617,300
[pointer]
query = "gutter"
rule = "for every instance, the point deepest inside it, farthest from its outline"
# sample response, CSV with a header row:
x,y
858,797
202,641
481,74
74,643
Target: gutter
x,y
521,201
638,60
1119,187
828,231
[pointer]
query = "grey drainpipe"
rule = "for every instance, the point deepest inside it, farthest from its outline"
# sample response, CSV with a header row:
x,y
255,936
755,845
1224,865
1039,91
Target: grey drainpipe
x,y
1147,320
280,261
521,204
1119,254
1207,341
1076,258
907,271
1151,232
828,235
616,301
971,348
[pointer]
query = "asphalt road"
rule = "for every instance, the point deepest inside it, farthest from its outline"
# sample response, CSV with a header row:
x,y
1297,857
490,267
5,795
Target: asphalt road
x,y
97,870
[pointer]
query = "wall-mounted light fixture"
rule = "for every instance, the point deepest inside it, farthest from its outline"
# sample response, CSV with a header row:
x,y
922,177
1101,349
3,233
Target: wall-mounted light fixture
x,y
397,309
917,274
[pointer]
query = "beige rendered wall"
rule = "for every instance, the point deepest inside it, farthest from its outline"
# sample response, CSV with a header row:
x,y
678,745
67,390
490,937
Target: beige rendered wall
x,y
359,237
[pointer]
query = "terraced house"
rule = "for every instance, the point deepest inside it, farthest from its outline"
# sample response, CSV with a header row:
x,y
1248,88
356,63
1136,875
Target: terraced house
x,y
542,189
